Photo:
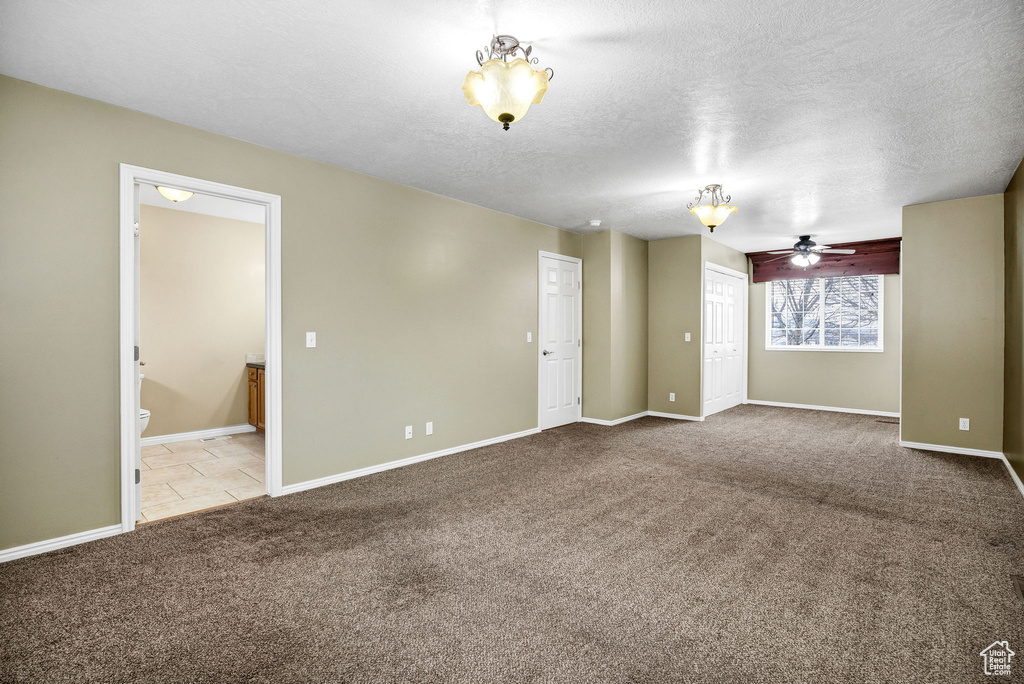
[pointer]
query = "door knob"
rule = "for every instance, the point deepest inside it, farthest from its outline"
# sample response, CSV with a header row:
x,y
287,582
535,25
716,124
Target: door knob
x,y
546,352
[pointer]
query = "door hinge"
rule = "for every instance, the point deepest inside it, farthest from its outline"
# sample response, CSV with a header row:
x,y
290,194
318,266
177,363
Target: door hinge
x,y
579,343
579,400
138,476
136,352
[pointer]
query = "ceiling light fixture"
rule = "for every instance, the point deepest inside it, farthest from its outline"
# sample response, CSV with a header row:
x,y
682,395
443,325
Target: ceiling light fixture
x,y
503,89
806,259
716,211
174,194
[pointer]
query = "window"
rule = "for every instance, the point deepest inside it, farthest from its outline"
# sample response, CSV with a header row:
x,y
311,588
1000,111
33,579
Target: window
x,y
825,314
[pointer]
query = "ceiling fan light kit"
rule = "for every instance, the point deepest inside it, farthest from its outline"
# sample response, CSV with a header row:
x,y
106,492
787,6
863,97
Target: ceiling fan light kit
x,y
505,89
807,252
806,260
716,209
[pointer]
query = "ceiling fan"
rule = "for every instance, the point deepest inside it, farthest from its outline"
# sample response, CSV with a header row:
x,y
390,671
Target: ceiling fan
x,y
807,252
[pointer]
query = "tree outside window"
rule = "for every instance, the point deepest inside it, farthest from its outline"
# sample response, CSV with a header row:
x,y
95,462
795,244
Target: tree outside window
x,y
836,314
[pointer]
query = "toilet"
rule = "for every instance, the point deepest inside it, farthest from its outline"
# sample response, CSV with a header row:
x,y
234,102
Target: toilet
x,y
143,413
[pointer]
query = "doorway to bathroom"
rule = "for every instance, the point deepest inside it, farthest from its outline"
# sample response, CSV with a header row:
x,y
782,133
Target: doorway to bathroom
x,y
200,345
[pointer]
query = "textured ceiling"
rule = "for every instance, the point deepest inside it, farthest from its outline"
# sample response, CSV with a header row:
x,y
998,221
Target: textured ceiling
x,y
821,118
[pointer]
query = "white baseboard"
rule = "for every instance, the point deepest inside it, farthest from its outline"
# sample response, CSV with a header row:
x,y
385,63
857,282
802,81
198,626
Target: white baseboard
x,y
390,465
1013,475
676,416
198,434
952,450
836,409
969,452
617,421
58,543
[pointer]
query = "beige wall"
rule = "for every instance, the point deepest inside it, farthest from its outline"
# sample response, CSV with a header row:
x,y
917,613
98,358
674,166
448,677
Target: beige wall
x,y
597,325
676,301
717,253
674,309
629,325
1013,391
201,311
953,315
614,325
421,304
857,380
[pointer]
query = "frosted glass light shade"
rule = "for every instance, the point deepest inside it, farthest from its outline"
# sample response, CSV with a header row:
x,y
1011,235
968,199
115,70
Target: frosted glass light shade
x,y
712,215
806,260
505,90
174,194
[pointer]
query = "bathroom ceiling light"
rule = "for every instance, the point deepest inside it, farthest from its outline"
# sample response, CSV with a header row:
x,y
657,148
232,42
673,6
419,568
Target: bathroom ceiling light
x,y
174,194
503,89
717,208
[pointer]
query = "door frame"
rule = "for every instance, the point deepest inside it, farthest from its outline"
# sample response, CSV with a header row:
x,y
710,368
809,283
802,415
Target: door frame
x,y
129,176
725,270
541,255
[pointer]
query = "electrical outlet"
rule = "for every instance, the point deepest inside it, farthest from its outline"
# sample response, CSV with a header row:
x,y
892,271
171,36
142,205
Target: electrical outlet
x,y
671,396
965,423
430,428
310,340
687,337
529,337
408,431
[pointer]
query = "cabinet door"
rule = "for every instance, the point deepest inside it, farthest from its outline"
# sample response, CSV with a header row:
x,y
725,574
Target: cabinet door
x,y
261,391
254,408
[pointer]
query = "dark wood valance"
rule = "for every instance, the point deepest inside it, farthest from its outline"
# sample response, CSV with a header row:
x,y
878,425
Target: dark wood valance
x,y
873,257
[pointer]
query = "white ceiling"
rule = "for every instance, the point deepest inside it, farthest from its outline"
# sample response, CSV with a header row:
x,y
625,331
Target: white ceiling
x,y
205,204
821,118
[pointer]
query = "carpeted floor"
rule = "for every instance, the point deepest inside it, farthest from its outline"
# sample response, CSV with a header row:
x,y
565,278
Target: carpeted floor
x,y
763,545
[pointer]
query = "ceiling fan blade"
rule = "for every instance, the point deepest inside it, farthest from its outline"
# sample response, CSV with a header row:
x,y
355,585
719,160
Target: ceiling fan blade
x,y
837,251
782,251
784,256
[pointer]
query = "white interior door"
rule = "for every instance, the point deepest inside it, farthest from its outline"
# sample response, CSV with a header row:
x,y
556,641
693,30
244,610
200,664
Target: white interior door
x,y
724,340
138,398
560,343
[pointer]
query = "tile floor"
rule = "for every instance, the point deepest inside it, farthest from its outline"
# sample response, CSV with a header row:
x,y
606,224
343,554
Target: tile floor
x,y
184,477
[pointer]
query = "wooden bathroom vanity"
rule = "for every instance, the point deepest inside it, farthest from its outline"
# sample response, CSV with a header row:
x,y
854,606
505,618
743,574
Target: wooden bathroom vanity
x,y
257,394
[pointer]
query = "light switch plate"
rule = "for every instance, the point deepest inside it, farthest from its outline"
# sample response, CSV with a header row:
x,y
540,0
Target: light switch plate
x,y
310,340
529,337
430,428
687,337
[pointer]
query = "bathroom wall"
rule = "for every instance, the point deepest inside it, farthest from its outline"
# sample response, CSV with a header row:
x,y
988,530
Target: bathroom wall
x,y
202,294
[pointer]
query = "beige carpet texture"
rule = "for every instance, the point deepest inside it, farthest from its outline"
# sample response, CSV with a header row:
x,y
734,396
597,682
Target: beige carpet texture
x,y
762,545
